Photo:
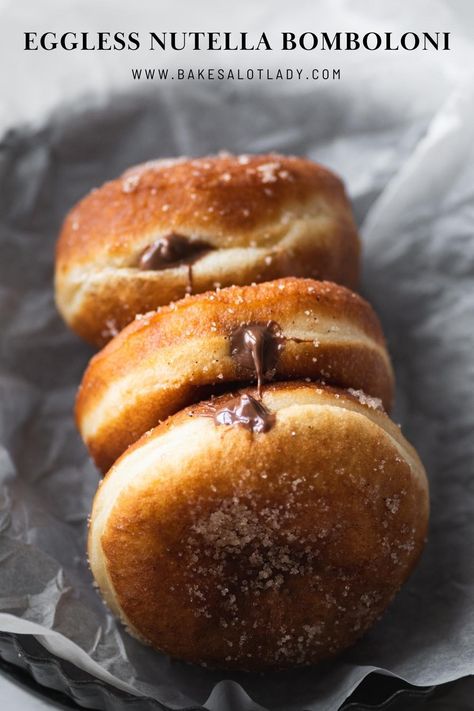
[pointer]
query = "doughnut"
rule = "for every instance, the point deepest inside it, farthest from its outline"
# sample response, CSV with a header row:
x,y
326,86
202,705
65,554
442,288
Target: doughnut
x,y
286,329
256,534
171,227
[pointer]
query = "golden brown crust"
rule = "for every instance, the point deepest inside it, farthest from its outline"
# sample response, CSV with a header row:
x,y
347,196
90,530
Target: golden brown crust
x,y
254,551
170,358
266,216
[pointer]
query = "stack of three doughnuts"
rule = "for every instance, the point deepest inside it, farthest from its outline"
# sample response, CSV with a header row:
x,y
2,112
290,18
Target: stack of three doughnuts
x,y
260,509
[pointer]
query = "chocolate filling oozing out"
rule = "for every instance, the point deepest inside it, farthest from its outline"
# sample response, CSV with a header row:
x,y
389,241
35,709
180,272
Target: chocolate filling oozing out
x,y
243,410
257,346
173,249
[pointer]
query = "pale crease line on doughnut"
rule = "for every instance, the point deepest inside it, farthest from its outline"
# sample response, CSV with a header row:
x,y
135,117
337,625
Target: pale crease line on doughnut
x,y
278,236
93,418
287,230
80,278
84,278
315,328
170,442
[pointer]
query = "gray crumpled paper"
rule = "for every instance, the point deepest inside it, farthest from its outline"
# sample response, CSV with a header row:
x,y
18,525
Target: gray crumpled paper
x,y
412,182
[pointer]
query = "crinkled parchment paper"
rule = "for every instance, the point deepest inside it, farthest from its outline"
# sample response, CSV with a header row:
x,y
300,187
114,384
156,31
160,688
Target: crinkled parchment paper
x,y
411,177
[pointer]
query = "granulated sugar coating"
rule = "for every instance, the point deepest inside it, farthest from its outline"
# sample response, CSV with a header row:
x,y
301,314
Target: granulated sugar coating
x,y
374,402
260,549
262,217
286,329
238,535
247,551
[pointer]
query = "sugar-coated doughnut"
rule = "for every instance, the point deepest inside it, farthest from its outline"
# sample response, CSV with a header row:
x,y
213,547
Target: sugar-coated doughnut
x,y
286,329
256,534
169,227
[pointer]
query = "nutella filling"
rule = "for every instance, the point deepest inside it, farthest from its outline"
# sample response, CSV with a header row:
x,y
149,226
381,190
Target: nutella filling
x,y
257,346
245,411
170,250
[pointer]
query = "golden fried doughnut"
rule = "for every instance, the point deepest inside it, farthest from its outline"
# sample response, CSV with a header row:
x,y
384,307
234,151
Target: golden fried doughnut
x,y
170,227
179,354
270,543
